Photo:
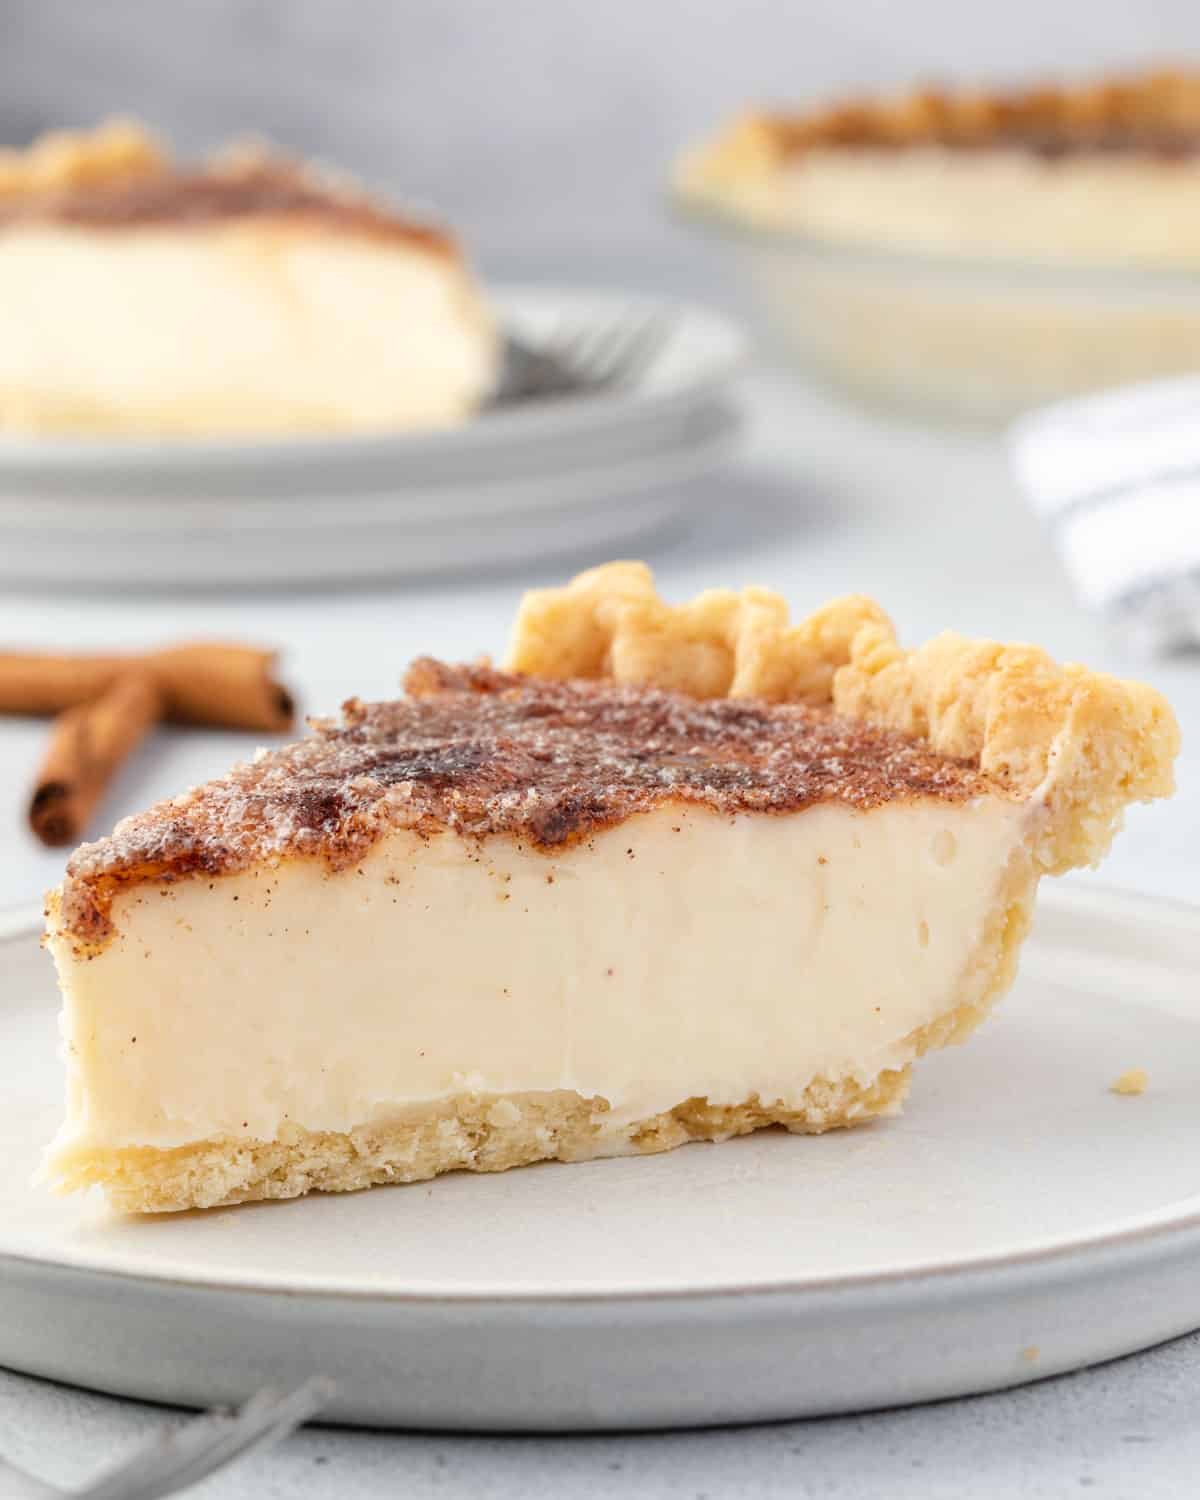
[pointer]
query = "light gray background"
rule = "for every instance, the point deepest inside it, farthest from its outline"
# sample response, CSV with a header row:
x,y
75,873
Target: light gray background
x,y
534,124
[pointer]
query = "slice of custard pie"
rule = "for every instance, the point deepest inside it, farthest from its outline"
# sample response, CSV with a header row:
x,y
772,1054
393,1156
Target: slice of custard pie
x,y
248,295
674,874
1102,172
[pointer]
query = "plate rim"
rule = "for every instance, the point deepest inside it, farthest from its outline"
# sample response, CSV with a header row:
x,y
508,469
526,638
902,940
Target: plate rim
x,y
709,440
1159,1233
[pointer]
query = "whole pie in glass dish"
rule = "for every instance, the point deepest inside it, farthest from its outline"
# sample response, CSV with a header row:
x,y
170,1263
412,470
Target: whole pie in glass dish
x,y
971,252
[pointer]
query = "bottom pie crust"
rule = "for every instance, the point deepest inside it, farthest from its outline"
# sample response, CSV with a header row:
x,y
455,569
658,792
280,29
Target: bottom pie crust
x,y
469,1133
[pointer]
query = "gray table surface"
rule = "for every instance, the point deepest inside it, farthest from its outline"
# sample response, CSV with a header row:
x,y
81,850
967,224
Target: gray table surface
x,y
1125,1431
826,500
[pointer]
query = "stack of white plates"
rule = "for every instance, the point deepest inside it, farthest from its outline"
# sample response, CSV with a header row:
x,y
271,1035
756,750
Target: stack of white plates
x,y
567,475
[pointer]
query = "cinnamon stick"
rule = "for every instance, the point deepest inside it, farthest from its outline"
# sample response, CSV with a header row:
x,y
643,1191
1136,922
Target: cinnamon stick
x,y
87,745
229,686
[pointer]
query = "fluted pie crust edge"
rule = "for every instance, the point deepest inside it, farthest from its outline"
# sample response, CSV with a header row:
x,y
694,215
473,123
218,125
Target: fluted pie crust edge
x,y
1154,107
1084,743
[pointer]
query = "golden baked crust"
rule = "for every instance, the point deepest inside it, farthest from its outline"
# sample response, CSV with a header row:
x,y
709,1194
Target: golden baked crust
x,y
117,152
1156,113
471,1133
1081,743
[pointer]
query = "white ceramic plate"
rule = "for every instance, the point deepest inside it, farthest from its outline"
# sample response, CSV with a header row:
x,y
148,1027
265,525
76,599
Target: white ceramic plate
x,y
334,536
1019,1220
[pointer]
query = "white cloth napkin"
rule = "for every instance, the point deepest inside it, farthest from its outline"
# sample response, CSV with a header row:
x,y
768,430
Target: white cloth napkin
x,y
1116,478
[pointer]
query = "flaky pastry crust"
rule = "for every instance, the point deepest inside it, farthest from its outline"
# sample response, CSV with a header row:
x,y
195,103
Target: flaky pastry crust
x,y
1081,743
119,151
471,1133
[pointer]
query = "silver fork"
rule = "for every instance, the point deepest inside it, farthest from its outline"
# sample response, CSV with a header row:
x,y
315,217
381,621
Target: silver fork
x,y
174,1461
580,357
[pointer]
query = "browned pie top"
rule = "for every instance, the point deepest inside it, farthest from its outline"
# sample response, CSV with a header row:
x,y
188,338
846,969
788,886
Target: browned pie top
x,y
1155,114
484,753
259,187
1051,142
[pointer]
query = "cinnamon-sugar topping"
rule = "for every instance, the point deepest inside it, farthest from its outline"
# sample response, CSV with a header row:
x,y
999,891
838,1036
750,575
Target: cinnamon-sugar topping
x,y
482,753
1153,115
249,184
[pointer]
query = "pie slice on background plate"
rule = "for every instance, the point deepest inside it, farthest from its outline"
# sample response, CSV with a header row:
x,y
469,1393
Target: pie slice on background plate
x,y
251,295
675,874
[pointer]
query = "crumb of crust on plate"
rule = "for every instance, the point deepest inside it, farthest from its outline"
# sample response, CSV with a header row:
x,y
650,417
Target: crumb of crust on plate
x,y
1131,1081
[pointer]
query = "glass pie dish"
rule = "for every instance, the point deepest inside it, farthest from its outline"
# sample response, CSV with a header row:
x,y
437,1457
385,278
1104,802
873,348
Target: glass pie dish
x,y
977,339
970,252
